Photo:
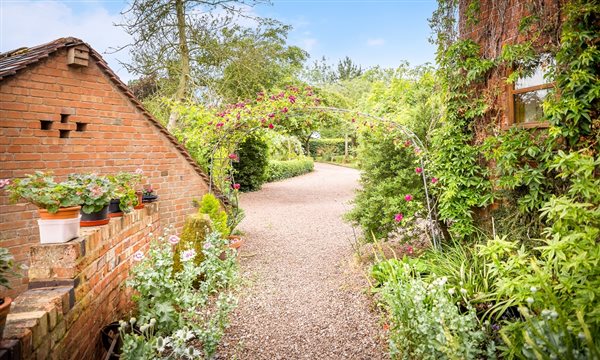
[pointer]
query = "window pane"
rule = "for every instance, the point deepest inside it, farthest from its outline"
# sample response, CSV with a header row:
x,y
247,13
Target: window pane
x,y
528,106
537,78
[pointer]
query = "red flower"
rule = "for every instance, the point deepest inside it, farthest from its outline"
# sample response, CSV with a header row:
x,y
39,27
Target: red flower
x,y
398,217
407,143
236,186
408,197
284,110
233,156
292,99
418,170
434,180
271,126
220,124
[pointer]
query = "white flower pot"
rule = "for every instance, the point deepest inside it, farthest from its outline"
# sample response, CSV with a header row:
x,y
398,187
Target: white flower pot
x,y
58,231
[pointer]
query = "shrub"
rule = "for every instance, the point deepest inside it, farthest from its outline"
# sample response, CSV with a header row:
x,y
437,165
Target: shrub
x,y
250,170
279,170
425,321
210,206
387,176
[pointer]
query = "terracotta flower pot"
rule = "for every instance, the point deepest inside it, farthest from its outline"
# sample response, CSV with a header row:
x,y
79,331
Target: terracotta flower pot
x,y
235,241
4,310
62,213
140,204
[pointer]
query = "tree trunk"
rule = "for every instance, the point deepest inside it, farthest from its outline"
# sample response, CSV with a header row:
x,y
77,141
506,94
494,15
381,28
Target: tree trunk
x,y
184,55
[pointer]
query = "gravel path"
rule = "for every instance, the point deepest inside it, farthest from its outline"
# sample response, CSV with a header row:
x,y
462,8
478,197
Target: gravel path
x,y
304,296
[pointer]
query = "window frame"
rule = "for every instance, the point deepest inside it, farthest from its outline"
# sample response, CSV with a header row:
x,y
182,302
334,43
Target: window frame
x,y
511,92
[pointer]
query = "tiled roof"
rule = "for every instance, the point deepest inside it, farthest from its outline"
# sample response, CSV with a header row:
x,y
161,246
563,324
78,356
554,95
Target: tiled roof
x,y
14,61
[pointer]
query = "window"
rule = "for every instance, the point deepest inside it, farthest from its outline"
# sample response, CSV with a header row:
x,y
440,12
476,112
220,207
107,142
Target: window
x,y
526,95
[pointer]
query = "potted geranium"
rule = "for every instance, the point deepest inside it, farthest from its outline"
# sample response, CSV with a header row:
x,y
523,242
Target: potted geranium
x,y
58,205
96,194
149,195
125,196
6,267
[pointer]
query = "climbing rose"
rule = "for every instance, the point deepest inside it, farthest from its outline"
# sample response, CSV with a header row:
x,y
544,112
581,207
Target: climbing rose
x,y
434,180
188,255
173,239
139,171
138,256
408,197
271,126
418,170
236,186
398,217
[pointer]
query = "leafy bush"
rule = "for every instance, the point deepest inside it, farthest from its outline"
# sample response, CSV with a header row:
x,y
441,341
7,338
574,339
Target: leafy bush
x,y
425,321
253,159
279,170
173,309
209,205
387,177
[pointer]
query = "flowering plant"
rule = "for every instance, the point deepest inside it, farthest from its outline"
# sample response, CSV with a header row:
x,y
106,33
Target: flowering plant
x,y
125,184
173,306
95,191
41,190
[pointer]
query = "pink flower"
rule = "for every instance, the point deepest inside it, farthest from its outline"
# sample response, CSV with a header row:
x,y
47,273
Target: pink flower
x,y
408,197
220,124
271,115
188,255
4,183
139,171
407,143
292,99
174,239
410,250
233,156
207,245
284,110
418,170
271,126
417,150
434,180
236,186
398,217
138,256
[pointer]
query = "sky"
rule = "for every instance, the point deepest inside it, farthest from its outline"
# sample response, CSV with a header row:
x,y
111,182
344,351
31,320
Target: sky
x,y
371,32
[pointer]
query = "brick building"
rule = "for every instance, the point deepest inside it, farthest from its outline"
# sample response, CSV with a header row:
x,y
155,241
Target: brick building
x,y
62,109
493,24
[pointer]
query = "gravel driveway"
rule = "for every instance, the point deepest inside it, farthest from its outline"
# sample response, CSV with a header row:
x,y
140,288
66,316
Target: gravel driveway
x,y
304,295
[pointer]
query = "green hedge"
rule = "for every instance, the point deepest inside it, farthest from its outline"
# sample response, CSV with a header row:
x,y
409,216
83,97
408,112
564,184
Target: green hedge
x,y
279,170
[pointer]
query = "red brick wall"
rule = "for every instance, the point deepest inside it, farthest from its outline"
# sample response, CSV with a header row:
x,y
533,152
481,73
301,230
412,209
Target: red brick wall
x,y
494,24
117,138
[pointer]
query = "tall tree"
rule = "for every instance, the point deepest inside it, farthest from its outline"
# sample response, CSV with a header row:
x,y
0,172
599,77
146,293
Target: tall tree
x,y
172,36
347,69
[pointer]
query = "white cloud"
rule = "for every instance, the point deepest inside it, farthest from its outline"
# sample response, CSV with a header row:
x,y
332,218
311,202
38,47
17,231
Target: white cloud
x,y
30,23
375,42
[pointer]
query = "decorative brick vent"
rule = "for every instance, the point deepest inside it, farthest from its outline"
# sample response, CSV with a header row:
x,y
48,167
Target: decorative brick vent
x,y
75,288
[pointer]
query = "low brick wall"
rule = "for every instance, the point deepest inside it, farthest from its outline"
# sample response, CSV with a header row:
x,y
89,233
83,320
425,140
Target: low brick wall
x,y
75,288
